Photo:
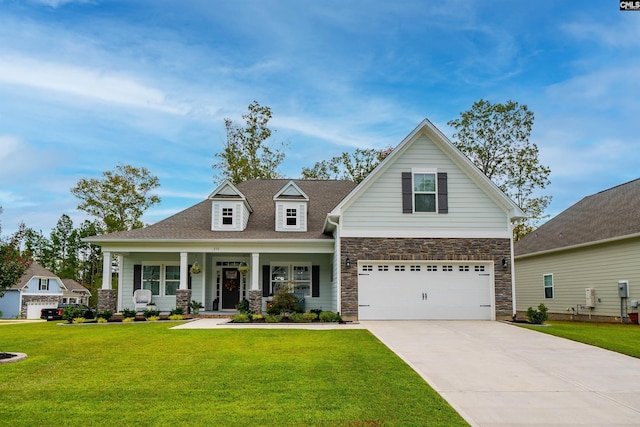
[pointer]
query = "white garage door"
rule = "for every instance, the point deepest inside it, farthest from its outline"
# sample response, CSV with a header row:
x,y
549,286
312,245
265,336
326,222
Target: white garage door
x,y
33,309
433,291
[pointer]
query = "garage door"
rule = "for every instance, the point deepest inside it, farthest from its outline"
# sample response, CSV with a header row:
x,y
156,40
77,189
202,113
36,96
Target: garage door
x,y
443,291
33,309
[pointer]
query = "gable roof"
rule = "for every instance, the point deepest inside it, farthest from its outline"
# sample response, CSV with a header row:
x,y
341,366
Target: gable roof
x,y
34,270
194,223
442,142
607,215
74,288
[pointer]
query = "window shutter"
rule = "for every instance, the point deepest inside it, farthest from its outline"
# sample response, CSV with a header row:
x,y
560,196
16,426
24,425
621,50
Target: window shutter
x,y
189,276
443,195
266,280
407,193
137,277
315,280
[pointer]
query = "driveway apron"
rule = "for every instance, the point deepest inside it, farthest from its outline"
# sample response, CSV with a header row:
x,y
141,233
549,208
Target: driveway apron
x,y
496,374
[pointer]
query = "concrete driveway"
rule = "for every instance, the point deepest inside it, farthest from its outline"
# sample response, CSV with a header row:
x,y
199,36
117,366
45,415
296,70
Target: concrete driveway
x,y
496,374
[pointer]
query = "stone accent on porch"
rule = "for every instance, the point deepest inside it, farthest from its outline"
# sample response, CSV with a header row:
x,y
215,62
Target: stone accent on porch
x,y
183,297
107,300
255,301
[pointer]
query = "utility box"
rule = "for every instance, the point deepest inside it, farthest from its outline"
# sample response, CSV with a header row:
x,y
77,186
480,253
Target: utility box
x,y
591,297
623,289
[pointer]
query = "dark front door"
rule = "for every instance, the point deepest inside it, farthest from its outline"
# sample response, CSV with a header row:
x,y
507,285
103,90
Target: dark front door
x,y
230,288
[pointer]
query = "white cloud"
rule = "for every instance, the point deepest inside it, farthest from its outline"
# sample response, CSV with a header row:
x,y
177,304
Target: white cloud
x,y
95,84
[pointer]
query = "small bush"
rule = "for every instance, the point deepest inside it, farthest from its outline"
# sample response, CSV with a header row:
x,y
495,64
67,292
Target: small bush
x,y
78,320
243,307
128,313
106,315
272,318
240,318
129,319
153,318
176,316
256,316
71,312
177,310
283,302
151,313
307,317
539,316
330,316
102,320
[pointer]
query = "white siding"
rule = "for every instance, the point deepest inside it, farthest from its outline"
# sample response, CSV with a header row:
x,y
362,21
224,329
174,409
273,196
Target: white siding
x,y
281,208
240,216
380,206
599,267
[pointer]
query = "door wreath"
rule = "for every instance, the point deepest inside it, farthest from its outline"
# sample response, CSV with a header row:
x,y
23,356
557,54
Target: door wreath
x,y
230,285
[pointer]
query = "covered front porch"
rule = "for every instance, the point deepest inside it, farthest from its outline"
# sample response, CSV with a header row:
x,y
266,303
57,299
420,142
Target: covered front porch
x,y
219,281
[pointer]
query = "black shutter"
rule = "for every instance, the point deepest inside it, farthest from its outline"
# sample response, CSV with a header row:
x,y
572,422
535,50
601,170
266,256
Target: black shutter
x,y
443,195
266,280
315,281
137,277
189,276
407,193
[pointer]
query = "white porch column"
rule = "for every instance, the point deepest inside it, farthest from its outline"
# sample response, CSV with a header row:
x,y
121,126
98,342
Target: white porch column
x,y
106,270
184,274
255,271
120,281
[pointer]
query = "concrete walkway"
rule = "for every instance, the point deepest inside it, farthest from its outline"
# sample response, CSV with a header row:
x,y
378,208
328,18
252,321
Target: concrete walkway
x,y
496,374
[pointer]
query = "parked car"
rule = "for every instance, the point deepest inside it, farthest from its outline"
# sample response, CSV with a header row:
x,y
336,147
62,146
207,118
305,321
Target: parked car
x,y
55,313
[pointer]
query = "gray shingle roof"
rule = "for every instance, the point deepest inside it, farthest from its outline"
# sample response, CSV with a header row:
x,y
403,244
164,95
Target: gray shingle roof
x,y
609,214
74,288
194,223
34,269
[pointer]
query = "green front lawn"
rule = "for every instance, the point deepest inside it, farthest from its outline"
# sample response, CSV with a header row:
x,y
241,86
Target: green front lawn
x,y
621,338
147,374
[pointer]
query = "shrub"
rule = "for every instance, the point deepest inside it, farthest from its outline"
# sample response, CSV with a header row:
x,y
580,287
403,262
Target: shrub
x,y
330,316
282,302
128,313
303,317
78,320
153,318
243,307
106,315
177,310
102,320
195,306
538,316
128,319
176,316
71,312
151,313
256,316
240,318
272,318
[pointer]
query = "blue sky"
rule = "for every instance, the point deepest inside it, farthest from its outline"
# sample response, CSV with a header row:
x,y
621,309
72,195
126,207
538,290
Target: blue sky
x,y
88,84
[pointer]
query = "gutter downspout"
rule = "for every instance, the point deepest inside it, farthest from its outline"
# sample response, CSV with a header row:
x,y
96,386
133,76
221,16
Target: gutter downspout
x,y
338,268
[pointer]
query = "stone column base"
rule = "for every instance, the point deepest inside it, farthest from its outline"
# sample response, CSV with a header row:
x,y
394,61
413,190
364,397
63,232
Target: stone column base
x,y
107,300
255,301
183,298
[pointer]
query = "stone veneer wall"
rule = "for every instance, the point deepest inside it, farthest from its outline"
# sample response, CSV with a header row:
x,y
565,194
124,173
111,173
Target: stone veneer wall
x,y
107,300
361,248
255,301
183,298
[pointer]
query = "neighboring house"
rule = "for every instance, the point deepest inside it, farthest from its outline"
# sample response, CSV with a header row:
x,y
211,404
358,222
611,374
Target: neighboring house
x,y
37,289
576,262
424,236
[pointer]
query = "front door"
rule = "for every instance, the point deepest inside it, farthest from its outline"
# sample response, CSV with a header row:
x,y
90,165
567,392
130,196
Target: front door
x,y
230,288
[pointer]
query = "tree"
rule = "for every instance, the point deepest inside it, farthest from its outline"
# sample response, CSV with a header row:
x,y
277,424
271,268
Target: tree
x,y
496,138
350,166
246,154
119,199
13,262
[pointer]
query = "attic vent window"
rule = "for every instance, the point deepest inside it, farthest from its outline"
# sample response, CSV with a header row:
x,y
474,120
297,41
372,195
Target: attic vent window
x,y
227,216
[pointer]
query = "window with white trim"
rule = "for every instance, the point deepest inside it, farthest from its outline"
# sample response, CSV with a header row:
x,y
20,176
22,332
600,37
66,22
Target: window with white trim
x,y
548,286
43,285
424,192
227,216
161,279
291,217
291,277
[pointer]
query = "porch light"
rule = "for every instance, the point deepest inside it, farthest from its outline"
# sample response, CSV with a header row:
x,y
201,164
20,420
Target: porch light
x,y
504,263
348,262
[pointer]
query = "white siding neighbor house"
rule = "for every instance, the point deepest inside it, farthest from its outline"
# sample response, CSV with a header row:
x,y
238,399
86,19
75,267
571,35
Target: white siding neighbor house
x,y
585,262
424,236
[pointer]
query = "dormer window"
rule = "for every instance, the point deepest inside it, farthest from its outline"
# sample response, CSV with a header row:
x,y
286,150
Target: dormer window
x,y
292,217
227,216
